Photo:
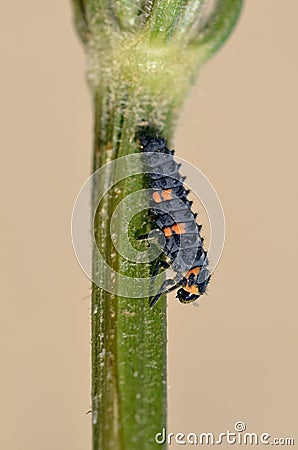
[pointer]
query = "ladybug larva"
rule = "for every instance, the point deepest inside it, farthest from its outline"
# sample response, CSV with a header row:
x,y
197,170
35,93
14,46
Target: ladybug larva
x,y
176,222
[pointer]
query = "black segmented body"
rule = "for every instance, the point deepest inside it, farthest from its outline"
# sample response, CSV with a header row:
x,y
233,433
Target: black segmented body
x,y
177,222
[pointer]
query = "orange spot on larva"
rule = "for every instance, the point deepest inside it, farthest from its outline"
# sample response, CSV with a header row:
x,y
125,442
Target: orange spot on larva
x,y
167,231
167,194
179,228
156,197
195,271
192,289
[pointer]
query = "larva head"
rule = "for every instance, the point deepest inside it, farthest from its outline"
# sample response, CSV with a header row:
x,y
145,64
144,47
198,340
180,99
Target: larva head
x,y
186,297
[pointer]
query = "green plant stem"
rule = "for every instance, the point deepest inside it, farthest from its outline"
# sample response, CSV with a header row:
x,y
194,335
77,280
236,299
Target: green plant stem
x,y
128,339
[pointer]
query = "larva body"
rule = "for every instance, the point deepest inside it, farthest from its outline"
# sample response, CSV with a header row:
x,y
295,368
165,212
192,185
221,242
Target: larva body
x,y
177,222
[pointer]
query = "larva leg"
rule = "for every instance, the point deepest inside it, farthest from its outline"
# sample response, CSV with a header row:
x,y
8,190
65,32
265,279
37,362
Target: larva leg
x,y
162,289
160,265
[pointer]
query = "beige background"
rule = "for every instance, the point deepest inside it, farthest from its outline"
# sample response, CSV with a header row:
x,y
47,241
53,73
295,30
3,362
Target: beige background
x,y
233,358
